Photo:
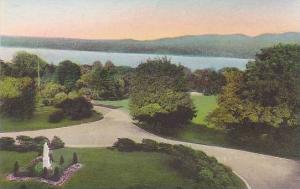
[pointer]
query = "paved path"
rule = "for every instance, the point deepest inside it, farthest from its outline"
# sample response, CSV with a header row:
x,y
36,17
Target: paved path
x,y
260,171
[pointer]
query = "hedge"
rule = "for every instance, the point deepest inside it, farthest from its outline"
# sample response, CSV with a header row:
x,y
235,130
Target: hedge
x,y
27,144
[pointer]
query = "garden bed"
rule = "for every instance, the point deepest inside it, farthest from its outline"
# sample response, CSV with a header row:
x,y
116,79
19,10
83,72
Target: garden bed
x,y
66,175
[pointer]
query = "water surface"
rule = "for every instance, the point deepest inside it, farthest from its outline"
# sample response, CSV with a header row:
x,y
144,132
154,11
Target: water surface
x,y
128,59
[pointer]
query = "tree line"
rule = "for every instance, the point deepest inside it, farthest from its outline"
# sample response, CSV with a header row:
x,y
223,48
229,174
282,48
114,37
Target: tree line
x,y
265,95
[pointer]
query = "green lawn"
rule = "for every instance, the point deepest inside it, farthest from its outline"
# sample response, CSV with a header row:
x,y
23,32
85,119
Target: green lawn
x,y
199,131
103,169
204,105
202,135
40,121
122,104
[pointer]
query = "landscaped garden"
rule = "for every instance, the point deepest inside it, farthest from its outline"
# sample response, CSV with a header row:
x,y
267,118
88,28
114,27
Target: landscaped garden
x,y
128,165
102,169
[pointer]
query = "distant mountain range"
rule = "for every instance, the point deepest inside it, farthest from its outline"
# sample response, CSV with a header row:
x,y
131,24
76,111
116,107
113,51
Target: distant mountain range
x,y
235,45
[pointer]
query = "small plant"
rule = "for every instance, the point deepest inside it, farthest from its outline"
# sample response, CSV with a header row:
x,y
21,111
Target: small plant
x,y
23,186
16,168
45,173
37,169
56,143
7,143
75,158
62,160
51,158
56,174
126,145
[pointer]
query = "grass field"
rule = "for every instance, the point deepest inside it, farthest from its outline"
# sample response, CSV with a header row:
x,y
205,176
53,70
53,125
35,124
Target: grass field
x,y
204,105
40,121
122,104
199,131
103,169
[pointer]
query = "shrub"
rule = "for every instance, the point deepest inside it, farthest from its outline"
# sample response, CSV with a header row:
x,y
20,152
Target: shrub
x,y
38,169
61,160
56,174
22,139
57,143
149,145
51,157
45,173
26,144
166,148
56,116
40,141
7,143
77,108
59,97
51,89
75,158
73,94
16,168
125,145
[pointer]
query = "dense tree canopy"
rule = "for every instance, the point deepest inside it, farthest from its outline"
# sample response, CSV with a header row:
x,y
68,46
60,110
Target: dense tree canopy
x,y
106,82
273,79
158,97
17,97
266,94
67,73
207,81
27,65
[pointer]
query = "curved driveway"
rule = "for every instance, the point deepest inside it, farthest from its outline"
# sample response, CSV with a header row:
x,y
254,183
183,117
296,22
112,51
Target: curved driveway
x,y
260,171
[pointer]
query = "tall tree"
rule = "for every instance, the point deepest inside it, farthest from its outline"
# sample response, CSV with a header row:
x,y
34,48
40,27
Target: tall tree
x,y
105,82
67,73
208,81
27,65
267,94
17,97
157,95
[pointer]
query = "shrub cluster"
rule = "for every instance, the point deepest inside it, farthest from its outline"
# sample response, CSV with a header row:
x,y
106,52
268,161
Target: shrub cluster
x,y
76,108
196,165
27,144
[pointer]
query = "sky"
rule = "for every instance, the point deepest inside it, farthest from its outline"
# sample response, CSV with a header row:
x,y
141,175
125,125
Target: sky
x,y
146,19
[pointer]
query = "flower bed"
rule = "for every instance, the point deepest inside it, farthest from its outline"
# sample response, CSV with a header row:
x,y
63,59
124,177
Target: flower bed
x,y
66,175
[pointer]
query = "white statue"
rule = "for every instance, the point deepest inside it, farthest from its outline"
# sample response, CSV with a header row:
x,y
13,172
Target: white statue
x,y
46,158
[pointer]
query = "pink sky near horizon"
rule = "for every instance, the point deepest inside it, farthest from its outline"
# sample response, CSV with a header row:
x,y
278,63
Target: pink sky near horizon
x,y
134,19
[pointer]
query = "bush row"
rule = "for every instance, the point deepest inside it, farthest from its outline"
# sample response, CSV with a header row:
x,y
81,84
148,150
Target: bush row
x,y
196,165
26,143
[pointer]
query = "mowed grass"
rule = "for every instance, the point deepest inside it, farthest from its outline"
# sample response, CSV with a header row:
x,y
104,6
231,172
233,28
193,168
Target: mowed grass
x,y
122,104
199,130
103,168
204,105
40,121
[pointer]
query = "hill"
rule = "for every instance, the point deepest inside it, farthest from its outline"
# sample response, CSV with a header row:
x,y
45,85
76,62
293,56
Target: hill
x,y
235,45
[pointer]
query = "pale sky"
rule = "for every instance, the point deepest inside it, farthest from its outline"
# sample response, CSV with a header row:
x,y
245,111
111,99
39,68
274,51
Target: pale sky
x,y
146,19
